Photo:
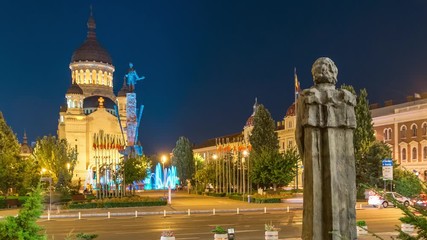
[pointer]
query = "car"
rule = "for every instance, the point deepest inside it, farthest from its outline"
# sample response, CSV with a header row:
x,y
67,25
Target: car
x,y
420,201
385,200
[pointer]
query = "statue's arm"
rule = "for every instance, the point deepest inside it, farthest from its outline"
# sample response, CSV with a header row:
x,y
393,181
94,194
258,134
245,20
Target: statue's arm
x,y
137,77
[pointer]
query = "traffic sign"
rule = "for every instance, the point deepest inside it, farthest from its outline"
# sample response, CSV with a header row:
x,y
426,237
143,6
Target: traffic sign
x,y
387,169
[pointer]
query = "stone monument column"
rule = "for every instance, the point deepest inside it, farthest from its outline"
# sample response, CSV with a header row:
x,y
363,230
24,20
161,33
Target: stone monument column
x,y
324,135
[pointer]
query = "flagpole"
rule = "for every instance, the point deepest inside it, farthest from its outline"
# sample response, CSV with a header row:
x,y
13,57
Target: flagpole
x,y
295,102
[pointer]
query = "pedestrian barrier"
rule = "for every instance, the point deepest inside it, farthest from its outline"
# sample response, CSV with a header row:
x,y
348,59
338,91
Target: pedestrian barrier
x,y
214,211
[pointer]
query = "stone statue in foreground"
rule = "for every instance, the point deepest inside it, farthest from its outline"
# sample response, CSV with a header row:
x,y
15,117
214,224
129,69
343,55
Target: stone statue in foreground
x,y
324,135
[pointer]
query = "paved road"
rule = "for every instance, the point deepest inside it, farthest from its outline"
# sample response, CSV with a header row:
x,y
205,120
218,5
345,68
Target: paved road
x,y
248,226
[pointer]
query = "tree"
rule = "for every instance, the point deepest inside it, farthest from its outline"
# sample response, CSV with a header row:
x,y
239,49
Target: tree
x,y
135,169
364,138
265,149
205,174
275,169
183,159
24,226
407,183
263,135
55,155
9,157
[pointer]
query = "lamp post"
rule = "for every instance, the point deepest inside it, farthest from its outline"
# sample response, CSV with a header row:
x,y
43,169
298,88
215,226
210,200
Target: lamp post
x,y
215,157
49,179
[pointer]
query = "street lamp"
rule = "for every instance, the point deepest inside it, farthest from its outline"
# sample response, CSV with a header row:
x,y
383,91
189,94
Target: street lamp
x,y
216,171
49,179
246,154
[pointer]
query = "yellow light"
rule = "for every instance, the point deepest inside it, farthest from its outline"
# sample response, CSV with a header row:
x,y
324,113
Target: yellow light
x,y
214,156
164,158
245,153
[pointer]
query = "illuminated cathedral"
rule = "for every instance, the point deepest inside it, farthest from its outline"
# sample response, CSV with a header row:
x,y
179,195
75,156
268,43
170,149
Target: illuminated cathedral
x,y
90,118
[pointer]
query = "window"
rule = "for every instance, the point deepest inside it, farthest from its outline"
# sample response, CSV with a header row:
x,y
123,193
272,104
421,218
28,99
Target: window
x,y
404,155
425,153
403,132
387,134
424,127
414,130
414,153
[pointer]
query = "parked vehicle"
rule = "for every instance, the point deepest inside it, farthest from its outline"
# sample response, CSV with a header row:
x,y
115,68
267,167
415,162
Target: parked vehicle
x,y
385,200
420,201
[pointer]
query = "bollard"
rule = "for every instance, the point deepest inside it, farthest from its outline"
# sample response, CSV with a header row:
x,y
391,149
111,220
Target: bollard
x,y
265,209
237,210
136,214
48,215
164,213
213,211
80,215
287,209
108,214
188,212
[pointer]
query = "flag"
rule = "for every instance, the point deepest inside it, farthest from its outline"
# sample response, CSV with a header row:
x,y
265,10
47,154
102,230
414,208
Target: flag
x,y
297,85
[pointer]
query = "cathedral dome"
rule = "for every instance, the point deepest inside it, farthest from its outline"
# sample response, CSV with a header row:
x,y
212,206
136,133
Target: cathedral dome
x,y
250,121
91,50
75,89
291,111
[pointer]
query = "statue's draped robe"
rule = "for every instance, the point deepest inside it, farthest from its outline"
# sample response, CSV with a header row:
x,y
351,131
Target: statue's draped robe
x,y
324,135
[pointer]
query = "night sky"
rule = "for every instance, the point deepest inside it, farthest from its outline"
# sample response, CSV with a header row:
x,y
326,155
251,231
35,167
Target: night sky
x,y
205,61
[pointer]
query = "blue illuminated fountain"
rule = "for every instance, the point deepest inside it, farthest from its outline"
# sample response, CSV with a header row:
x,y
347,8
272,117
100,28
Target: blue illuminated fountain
x,y
161,179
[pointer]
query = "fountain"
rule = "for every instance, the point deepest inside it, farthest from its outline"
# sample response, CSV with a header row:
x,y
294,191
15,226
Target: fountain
x,y
161,179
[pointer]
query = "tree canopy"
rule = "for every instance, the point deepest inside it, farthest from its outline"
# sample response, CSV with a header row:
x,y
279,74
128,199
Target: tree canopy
x,y
9,157
183,159
55,156
263,135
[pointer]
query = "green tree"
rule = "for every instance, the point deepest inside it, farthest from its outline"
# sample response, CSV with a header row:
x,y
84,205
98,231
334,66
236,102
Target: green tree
x,y
370,166
28,177
54,155
265,149
183,159
263,135
24,226
205,174
364,138
135,169
407,183
9,157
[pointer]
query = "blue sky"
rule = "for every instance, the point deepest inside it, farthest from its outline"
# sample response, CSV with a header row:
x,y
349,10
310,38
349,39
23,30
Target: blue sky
x,y
205,61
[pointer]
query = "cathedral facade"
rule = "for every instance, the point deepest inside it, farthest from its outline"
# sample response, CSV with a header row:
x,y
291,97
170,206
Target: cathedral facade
x,y
90,118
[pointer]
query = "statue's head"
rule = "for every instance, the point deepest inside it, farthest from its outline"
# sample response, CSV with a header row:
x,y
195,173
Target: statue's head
x,y
130,65
324,71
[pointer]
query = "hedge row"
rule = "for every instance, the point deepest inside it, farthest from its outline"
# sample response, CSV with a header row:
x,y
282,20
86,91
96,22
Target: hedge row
x,y
266,200
238,197
216,194
116,204
21,199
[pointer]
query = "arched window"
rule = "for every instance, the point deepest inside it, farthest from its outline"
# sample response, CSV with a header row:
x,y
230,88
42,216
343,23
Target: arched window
x,y
404,155
414,130
424,127
425,153
403,132
414,153
387,134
